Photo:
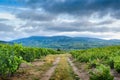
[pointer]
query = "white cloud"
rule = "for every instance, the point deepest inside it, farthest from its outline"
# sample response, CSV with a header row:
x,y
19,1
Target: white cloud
x,y
5,15
59,20
105,35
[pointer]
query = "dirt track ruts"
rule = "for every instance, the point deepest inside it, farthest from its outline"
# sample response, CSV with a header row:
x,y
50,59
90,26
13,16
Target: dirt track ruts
x,y
49,73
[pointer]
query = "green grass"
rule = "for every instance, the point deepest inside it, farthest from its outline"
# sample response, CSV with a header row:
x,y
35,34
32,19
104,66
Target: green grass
x,y
64,70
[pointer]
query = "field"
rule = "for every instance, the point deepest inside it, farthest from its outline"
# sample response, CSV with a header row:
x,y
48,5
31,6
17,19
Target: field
x,y
99,63
24,63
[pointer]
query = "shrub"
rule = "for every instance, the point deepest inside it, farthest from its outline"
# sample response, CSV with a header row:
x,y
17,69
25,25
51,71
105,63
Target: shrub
x,y
117,63
94,63
9,63
111,62
101,73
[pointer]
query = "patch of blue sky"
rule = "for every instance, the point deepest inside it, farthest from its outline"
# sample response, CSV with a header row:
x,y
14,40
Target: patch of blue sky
x,y
15,3
8,9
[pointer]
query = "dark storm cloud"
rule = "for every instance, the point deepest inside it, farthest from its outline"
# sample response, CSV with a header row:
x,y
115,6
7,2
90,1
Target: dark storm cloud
x,y
116,14
35,16
80,27
105,22
82,7
48,17
51,9
83,28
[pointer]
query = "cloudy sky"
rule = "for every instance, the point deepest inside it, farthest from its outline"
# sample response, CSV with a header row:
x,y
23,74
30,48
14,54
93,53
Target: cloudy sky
x,y
81,18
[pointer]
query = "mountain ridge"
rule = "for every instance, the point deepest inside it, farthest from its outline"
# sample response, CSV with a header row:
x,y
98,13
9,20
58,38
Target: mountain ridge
x,y
65,42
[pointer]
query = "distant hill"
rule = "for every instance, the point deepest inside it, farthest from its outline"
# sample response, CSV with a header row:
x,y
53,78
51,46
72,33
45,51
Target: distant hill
x,y
6,42
64,42
3,42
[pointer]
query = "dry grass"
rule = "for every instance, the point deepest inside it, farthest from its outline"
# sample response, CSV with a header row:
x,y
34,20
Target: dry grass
x,y
63,70
35,71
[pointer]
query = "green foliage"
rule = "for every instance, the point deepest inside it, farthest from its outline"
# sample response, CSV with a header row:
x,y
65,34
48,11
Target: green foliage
x,y
107,56
11,57
111,62
64,42
94,63
9,62
117,63
101,73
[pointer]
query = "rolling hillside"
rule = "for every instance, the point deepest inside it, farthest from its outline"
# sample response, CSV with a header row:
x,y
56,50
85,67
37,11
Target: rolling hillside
x,y
4,42
64,42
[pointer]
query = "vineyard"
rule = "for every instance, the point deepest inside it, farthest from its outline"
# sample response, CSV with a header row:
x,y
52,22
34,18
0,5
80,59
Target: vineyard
x,y
11,56
102,63
18,62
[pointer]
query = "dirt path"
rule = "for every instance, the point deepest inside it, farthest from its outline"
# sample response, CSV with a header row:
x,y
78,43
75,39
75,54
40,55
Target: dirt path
x,y
49,73
32,64
35,69
81,75
116,75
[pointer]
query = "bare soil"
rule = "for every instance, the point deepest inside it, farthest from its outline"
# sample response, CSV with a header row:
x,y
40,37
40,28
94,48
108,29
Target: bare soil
x,y
49,73
35,69
81,72
115,74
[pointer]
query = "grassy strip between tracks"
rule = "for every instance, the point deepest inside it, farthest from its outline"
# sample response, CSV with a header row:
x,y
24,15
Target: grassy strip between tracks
x,y
64,70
